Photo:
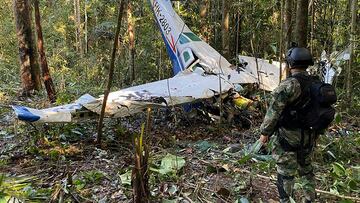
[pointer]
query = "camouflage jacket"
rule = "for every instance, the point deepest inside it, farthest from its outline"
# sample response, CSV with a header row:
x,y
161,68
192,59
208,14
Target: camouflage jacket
x,y
287,92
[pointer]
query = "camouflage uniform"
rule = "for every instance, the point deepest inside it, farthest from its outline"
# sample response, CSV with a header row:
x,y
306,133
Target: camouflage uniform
x,y
289,162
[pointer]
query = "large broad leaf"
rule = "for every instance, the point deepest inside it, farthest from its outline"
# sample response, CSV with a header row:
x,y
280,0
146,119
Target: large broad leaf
x,y
171,164
126,178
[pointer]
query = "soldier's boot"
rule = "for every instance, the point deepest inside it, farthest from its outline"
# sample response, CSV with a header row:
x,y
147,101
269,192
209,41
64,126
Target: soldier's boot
x,y
285,185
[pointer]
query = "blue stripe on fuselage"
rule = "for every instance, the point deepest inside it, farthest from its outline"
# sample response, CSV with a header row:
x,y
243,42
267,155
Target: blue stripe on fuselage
x,y
174,59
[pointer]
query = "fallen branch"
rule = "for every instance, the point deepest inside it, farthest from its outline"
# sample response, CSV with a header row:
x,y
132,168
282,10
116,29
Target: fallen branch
x,y
357,199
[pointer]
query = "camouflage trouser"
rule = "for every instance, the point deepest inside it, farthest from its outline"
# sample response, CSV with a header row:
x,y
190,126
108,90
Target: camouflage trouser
x,y
288,163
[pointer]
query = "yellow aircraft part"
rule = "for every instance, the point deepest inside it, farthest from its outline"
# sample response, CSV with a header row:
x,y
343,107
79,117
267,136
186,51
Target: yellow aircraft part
x,y
242,102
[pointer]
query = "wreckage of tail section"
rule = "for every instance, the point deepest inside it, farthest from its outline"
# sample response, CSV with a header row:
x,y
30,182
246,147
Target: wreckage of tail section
x,y
200,72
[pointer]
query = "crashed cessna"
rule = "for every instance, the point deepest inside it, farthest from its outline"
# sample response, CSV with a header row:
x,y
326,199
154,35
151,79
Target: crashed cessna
x,y
200,72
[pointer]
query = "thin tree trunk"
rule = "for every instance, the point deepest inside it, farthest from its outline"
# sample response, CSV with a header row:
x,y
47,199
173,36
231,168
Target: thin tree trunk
x,y
111,72
131,31
76,30
288,7
281,38
354,11
302,22
204,6
24,34
86,28
160,69
237,36
312,26
78,26
288,27
225,29
35,68
49,85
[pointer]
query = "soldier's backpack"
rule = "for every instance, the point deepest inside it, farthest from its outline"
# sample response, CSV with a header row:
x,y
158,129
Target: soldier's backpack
x,y
313,110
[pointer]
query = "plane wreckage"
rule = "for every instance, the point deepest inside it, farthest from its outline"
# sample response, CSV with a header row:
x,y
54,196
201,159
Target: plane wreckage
x,y
200,72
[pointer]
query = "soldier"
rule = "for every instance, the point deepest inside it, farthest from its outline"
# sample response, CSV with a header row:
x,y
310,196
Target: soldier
x,y
293,145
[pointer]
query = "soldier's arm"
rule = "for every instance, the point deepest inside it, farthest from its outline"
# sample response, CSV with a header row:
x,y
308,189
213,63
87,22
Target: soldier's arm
x,y
285,93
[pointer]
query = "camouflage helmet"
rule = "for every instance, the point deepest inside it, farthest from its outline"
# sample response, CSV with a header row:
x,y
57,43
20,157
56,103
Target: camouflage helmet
x,y
299,57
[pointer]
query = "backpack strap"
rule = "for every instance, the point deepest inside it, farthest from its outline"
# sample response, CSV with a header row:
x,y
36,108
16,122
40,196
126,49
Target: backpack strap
x,y
305,83
289,117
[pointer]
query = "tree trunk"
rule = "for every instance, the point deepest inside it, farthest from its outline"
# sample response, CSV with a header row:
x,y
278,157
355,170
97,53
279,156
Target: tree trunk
x,y
287,23
354,11
204,6
111,72
287,31
281,38
86,28
79,46
131,30
225,29
302,22
35,68
49,85
238,22
312,26
26,49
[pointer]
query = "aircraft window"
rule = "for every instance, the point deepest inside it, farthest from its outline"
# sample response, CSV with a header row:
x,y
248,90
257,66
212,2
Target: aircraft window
x,y
192,36
186,56
183,39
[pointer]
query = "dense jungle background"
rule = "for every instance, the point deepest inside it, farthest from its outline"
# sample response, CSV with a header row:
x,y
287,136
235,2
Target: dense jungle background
x,y
190,158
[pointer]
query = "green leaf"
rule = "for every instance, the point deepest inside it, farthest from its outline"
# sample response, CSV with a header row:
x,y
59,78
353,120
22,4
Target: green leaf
x,y
334,191
79,184
346,201
126,178
338,169
263,157
255,147
274,48
338,118
171,164
244,159
203,146
5,199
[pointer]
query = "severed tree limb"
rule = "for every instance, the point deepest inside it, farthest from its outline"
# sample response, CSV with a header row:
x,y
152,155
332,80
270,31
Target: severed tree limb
x,y
111,73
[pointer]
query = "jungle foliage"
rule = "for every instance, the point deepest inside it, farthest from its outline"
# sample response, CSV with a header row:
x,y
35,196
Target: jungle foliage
x,y
194,161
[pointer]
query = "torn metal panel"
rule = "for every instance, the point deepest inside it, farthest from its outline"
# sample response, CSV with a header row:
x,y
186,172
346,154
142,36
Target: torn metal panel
x,y
267,75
